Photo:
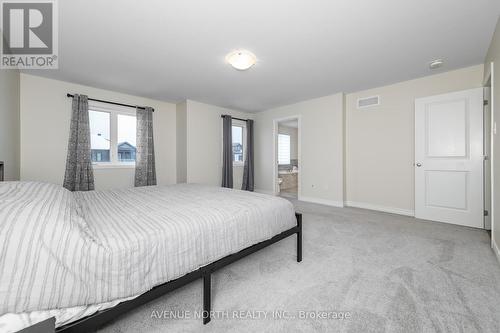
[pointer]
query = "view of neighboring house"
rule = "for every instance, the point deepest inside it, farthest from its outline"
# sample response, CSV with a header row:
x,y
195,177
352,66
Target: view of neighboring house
x,y
100,155
101,151
126,152
237,152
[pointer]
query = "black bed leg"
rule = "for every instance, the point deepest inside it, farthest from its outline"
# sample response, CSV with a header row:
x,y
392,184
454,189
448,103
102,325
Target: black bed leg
x,y
299,236
207,284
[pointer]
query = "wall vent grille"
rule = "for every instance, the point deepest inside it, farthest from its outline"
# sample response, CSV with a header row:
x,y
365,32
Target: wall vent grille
x,y
367,102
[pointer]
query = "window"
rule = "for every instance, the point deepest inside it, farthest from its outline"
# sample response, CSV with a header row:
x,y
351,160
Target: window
x,y
112,136
239,142
283,149
126,138
100,138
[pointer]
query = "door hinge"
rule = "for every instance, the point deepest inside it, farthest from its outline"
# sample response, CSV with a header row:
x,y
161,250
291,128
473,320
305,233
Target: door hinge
x,y
485,102
486,213
485,157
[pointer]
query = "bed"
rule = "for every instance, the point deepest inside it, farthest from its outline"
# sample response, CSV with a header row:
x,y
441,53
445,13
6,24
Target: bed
x,y
88,257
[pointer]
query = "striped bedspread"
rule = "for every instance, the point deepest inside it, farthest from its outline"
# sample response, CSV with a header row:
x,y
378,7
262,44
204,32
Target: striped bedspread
x,y
60,249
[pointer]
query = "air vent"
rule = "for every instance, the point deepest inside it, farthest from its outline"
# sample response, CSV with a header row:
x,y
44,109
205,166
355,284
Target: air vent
x,y
368,102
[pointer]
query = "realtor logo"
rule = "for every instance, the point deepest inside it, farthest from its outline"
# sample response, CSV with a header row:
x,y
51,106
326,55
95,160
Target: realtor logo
x,y
29,34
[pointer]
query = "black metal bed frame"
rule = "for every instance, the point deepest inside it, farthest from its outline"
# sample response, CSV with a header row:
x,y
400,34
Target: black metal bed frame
x,y
98,319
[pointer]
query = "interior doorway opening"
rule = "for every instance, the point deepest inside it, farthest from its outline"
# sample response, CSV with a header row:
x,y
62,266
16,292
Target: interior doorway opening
x,y
287,157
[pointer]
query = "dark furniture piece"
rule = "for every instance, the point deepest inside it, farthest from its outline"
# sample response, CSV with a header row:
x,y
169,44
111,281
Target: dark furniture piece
x,y
93,322
46,326
1,171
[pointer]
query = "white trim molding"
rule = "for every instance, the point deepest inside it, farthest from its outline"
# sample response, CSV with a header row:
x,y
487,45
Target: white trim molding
x,y
492,157
258,190
322,201
393,210
496,250
111,165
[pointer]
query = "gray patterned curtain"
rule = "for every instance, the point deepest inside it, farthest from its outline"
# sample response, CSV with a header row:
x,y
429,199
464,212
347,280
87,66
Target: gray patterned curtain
x,y
227,151
248,172
79,175
145,169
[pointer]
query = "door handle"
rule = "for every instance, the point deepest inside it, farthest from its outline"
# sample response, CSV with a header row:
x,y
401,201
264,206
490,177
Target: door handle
x,y
418,165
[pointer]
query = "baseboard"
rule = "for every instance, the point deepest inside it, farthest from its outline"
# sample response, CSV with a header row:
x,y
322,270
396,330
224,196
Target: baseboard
x,y
495,250
322,201
308,199
263,191
392,210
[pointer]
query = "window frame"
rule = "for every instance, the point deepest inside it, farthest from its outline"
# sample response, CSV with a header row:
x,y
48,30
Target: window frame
x,y
114,111
243,125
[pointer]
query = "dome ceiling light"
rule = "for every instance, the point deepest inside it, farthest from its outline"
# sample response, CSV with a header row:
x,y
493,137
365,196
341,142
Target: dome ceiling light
x,y
241,59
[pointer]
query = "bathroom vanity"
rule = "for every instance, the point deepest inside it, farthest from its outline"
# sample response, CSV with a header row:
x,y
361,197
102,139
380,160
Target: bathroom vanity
x,y
289,179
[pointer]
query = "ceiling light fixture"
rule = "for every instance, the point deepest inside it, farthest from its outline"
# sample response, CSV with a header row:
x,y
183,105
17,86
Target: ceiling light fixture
x,y
435,64
241,59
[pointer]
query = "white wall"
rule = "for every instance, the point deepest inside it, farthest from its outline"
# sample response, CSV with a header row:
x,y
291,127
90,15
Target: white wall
x,y
380,139
294,139
9,123
321,136
45,121
204,144
494,56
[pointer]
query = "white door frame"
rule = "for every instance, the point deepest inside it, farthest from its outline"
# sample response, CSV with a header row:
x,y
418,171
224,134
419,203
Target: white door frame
x,y
275,153
490,77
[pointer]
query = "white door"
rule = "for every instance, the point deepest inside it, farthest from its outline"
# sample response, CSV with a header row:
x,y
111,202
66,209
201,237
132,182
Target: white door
x,y
449,158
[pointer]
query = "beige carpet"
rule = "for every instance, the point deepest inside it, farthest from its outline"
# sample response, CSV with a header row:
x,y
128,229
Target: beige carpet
x,y
387,273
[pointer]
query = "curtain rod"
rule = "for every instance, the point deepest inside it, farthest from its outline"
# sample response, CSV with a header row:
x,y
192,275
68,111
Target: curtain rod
x,y
114,103
222,116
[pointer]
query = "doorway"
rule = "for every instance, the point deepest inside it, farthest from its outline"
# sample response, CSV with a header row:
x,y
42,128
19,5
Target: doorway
x,y
287,157
487,154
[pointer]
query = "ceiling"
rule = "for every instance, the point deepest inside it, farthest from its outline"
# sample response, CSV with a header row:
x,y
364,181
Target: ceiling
x,y
173,50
